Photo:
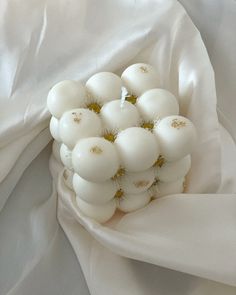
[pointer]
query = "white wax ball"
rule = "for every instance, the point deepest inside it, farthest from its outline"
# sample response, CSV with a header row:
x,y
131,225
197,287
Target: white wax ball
x,y
172,171
169,188
64,96
56,150
115,117
77,124
139,78
92,192
157,103
176,136
136,183
104,86
95,159
54,129
66,155
129,203
100,213
138,149
68,178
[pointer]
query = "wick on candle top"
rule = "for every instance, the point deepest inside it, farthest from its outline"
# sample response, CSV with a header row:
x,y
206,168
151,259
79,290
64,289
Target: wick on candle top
x,y
124,92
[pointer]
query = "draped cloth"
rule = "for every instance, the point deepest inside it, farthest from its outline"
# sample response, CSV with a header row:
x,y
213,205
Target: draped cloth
x,y
195,232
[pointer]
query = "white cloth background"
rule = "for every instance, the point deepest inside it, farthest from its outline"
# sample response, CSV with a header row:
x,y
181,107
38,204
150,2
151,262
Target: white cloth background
x,y
28,229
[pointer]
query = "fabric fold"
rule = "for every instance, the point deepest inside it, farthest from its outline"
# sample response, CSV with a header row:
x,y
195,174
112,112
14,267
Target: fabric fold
x,y
191,233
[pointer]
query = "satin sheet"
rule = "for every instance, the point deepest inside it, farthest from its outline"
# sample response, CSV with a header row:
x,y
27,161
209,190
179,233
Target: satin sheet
x,y
198,237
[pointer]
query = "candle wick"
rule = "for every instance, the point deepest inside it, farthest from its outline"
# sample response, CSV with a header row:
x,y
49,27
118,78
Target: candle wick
x,y
124,92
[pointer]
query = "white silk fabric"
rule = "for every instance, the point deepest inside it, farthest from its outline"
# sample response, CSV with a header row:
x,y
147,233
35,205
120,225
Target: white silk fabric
x,y
193,233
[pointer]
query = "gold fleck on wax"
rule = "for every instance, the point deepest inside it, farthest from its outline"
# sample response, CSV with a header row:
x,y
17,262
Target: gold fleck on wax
x,y
110,136
160,161
141,183
143,69
76,118
131,98
177,123
119,194
94,106
119,173
147,125
96,150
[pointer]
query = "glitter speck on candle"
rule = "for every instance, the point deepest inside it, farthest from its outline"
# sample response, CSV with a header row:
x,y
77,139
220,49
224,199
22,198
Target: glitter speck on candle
x,y
148,125
119,194
119,173
96,150
141,183
94,107
160,161
76,118
176,123
144,69
131,98
110,136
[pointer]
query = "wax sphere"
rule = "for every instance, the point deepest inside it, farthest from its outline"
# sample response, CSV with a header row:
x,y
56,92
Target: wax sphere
x,y
92,192
77,124
54,128
64,96
137,148
115,117
176,136
129,203
157,103
136,183
139,78
168,188
95,159
100,213
172,171
66,154
56,150
104,87
68,178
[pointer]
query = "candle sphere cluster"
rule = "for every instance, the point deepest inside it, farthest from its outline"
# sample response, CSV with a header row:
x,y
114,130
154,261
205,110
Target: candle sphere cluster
x,y
119,149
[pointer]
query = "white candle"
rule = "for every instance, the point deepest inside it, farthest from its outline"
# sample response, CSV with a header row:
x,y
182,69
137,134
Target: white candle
x,y
176,136
138,149
129,203
100,213
92,192
77,124
64,96
95,159
162,189
66,155
104,87
139,78
54,128
172,171
115,118
136,183
157,103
